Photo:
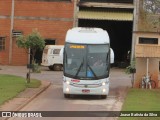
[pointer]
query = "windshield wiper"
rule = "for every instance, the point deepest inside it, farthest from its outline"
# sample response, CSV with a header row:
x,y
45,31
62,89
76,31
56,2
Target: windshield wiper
x,y
92,71
79,68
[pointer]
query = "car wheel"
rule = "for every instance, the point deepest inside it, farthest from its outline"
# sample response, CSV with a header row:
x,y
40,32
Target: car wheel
x,y
51,67
57,67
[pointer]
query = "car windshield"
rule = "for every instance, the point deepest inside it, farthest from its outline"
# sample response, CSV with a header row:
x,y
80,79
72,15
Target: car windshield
x,y
86,61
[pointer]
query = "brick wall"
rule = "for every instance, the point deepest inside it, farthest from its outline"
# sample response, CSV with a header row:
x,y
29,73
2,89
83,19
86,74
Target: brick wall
x,y
51,19
5,11
5,7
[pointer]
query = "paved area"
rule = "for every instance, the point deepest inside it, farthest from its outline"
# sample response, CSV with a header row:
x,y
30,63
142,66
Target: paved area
x,y
47,79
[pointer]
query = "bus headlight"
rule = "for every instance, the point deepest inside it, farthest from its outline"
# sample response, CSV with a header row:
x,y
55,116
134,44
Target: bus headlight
x,y
68,82
103,83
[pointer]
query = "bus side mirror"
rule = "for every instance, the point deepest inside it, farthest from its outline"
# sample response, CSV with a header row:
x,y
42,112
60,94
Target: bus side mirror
x,y
111,56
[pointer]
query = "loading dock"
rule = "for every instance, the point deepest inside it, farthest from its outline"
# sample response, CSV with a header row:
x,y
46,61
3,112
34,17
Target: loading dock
x,y
117,22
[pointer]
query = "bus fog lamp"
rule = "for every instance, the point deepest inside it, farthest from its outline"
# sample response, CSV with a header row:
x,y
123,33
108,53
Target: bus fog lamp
x,y
67,82
104,90
67,89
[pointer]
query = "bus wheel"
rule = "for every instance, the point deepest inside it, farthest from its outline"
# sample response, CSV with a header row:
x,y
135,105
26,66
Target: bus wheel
x,y
67,95
103,96
57,67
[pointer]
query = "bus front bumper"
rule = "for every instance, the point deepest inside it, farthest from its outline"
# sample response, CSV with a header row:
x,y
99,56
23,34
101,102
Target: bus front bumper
x,y
102,90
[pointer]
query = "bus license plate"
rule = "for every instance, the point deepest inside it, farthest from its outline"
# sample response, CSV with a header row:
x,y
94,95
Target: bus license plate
x,y
85,91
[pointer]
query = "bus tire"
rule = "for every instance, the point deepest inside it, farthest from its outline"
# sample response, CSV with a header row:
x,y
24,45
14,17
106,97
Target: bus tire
x,y
57,67
103,96
67,95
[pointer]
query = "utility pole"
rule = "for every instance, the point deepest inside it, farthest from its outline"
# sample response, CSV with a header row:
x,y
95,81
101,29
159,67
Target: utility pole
x,y
11,30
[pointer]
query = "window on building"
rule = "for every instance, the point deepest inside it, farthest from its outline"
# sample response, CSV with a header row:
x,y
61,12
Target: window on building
x,y
143,40
2,43
16,33
109,1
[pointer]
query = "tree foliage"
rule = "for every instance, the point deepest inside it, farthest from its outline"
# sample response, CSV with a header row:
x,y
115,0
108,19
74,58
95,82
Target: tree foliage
x,y
149,18
33,41
152,6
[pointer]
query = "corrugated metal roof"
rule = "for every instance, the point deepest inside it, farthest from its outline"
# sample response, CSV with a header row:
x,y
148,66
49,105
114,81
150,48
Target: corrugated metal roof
x,y
105,15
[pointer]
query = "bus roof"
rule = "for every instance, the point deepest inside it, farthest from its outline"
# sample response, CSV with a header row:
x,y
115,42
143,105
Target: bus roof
x,y
84,35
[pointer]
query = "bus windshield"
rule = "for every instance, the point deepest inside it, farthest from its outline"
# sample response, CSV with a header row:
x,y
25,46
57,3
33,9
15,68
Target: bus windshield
x,y
83,61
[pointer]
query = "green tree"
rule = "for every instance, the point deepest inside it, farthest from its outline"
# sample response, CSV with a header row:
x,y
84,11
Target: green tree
x,y
33,41
152,6
149,15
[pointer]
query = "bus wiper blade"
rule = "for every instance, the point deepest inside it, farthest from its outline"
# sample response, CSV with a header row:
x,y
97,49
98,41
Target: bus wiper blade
x,y
79,69
92,72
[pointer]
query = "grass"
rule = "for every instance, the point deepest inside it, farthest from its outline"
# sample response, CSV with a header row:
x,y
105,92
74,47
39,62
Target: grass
x,y
11,86
142,100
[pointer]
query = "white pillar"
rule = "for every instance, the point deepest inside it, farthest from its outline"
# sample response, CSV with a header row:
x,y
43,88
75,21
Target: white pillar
x,y
147,67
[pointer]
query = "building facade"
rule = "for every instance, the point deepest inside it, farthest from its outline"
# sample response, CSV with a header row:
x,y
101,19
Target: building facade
x,y
52,18
147,53
147,42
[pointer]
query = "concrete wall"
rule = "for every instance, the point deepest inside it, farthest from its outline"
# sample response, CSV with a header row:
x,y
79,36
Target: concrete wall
x,y
141,60
141,69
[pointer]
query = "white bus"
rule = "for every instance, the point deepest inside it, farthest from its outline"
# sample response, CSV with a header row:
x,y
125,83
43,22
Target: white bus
x,y
82,75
